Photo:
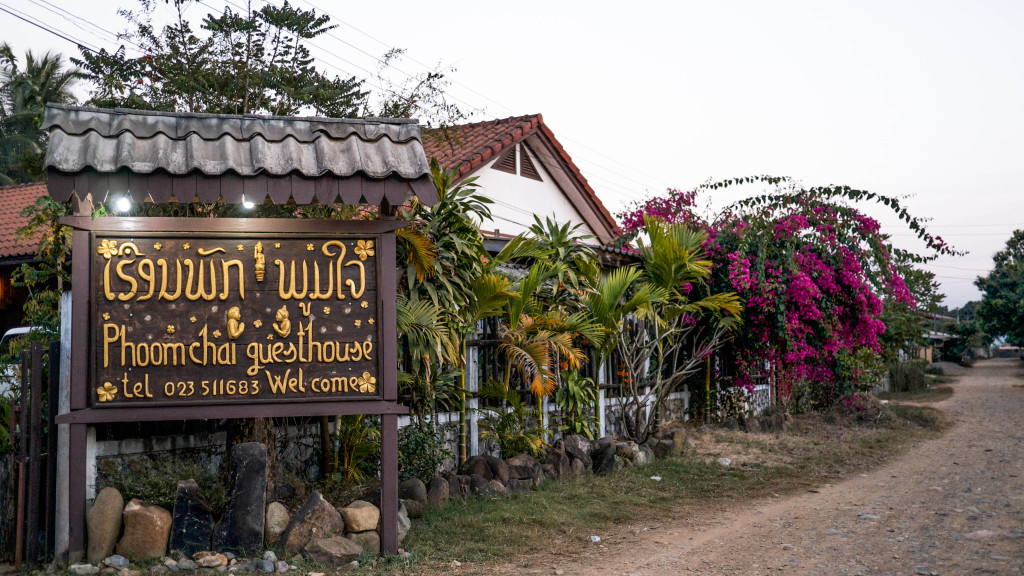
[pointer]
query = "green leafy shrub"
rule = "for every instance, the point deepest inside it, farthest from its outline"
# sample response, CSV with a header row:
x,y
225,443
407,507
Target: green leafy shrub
x,y
934,370
514,427
421,453
154,480
907,376
577,397
358,452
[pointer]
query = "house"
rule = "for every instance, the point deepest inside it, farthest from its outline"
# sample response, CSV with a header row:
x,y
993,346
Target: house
x,y
14,252
523,168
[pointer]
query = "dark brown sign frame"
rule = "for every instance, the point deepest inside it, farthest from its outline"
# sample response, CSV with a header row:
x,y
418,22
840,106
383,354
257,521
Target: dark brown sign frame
x,y
83,325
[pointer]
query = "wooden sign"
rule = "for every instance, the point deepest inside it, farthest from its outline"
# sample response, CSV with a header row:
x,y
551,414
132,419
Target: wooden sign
x,y
206,317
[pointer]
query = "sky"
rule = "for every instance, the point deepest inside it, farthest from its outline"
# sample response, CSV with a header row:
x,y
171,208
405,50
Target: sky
x,y
923,99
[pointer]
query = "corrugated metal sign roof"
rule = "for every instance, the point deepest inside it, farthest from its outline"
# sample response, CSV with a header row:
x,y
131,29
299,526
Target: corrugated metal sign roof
x,y
95,150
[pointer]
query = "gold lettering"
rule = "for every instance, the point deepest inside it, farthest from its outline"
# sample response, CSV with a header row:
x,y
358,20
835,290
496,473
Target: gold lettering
x,y
163,281
148,276
200,291
106,281
337,265
317,294
291,292
362,280
226,265
131,281
109,339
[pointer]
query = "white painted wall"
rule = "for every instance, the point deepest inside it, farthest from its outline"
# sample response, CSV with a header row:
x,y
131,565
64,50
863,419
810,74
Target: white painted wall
x,y
517,199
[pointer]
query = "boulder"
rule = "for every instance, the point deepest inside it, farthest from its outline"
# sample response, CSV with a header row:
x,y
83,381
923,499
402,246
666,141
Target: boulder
x,y
731,424
626,449
453,485
515,485
413,489
752,425
276,521
404,524
495,486
369,541
83,569
316,518
241,527
360,516
498,468
146,528
191,521
103,524
647,452
479,485
679,441
548,471
415,508
641,458
577,467
578,447
561,468
212,560
778,422
521,460
662,448
476,465
521,472
438,493
336,551
465,482
604,460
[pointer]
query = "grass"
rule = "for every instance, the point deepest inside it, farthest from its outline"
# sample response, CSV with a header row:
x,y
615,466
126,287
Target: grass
x,y
931,393
557,520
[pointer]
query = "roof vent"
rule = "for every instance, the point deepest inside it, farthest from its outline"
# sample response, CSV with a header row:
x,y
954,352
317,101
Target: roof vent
x,y
527,169
507,163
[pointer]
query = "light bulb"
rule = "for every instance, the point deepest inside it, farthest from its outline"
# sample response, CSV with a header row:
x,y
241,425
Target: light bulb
x,y
123,204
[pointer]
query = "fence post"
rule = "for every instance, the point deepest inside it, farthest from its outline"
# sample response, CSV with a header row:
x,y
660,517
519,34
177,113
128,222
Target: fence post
x,y
63,407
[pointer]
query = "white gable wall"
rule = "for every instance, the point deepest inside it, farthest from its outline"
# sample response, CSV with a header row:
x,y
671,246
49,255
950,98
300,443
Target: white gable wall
x,y
517,199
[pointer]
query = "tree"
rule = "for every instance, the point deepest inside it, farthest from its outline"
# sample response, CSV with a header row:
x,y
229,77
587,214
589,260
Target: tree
x,y
662,318
1001,310
247,62
24,93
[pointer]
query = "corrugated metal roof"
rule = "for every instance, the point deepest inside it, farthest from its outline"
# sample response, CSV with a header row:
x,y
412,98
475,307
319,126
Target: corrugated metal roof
x,y
92,140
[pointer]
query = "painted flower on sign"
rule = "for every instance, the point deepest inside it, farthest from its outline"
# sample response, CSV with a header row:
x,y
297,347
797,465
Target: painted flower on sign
x,y
366,383
107,248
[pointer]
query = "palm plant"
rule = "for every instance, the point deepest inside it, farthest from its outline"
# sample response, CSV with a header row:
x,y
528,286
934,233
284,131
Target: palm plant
x,y
24,93
513,426
660,320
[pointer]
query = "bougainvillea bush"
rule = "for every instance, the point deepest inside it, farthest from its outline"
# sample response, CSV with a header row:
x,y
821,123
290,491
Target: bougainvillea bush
x,y
812,271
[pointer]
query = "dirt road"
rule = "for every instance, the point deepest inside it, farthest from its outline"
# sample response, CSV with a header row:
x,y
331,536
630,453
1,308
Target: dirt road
x,y
949,506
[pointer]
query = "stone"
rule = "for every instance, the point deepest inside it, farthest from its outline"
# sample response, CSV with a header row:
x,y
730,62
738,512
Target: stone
x,y
495,486
415,508
438,493
103,524
640,459
336,551
724,462
213,561
521,472
128,572
191,521
277,519
453,485
620,463
413,489
266,566
515,485
281,566
83,569
578,469
146,528
778,422
679,441
626,449
404,524
498,468
479,485
316,518
731,424
521,460
578,447
646,451
116,561
561,468
369,541
464,485
662,448
270,556
187,564
476,465
604,460
752,425
360,516
241,528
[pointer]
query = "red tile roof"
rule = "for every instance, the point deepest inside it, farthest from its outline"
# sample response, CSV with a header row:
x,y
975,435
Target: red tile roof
x,y
14,199
469,146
